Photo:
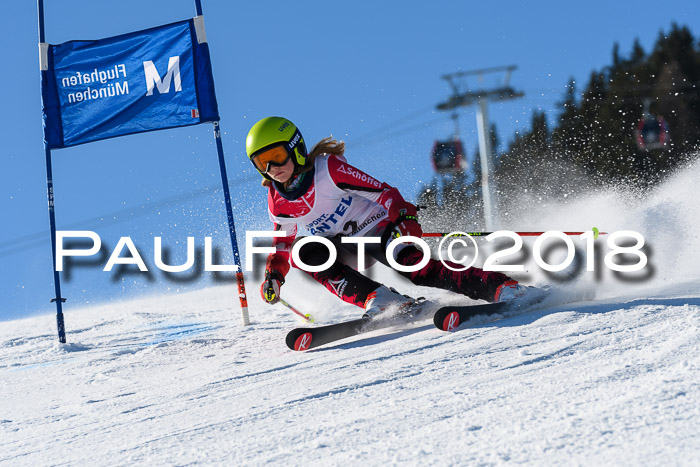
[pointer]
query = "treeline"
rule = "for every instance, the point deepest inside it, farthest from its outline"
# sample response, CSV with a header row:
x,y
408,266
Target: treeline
x,y
594,141
595,135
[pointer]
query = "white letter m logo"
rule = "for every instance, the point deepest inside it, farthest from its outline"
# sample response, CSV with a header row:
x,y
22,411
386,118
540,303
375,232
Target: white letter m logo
x,y
153,78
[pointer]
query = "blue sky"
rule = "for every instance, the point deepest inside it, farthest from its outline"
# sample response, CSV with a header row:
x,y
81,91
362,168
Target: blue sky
x,y
365,72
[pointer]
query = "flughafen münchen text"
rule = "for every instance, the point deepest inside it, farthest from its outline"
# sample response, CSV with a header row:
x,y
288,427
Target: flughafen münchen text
x,y
97,78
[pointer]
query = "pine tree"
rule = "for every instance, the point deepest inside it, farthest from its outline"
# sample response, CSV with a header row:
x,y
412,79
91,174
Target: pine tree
x,y
597,131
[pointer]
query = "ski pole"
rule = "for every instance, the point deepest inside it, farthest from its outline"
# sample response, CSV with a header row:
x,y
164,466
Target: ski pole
x,y
596,232
307,317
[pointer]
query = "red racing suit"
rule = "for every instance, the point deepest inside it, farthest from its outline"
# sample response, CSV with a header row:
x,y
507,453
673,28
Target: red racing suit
x,y
341,200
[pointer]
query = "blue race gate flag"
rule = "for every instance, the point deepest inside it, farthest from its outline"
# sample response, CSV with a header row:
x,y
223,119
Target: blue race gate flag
x,y
142,81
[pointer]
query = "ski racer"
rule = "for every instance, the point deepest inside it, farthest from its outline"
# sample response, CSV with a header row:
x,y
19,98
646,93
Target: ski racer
x,y
318,193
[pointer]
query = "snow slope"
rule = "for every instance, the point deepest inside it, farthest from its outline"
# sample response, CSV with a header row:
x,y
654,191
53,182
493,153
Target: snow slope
x,y
176,380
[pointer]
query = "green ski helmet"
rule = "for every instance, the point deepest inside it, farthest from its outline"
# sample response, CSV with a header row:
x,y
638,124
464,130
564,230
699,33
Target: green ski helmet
x,y
275,133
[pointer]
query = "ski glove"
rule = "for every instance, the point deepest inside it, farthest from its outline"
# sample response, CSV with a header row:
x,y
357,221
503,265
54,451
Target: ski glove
x,y
407,226
404,217
400,209
270,289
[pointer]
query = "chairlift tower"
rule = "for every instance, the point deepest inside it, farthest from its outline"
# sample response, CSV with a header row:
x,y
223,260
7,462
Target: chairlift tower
x,y
480,97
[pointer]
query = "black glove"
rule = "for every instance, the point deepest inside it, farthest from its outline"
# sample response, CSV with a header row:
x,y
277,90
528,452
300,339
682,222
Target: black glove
x,y
270,288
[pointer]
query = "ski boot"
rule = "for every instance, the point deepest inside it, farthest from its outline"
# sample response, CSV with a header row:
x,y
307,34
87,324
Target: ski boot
x,y
385,299
511,291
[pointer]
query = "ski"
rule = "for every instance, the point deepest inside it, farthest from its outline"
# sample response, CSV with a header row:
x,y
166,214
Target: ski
x,y
448,318
301,339
306,338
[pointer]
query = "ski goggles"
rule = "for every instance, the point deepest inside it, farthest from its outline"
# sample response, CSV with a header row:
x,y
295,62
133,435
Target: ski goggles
x,y
274,156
